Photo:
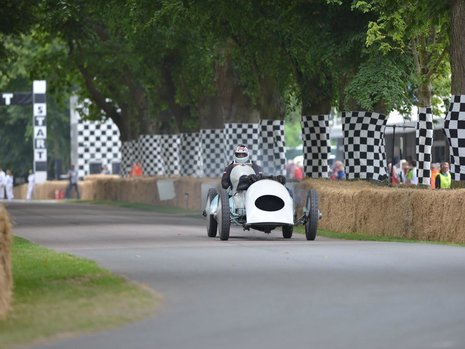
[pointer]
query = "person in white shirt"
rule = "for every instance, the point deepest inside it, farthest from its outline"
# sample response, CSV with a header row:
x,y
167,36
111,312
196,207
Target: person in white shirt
x,y
2,183
9,185
31,182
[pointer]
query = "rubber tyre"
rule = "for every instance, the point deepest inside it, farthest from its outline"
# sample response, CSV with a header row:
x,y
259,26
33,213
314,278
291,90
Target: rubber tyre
x,y
223,217
287,231
212,225
311,204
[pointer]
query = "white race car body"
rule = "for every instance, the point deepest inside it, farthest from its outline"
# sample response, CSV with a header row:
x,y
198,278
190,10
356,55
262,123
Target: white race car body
x,y
269,202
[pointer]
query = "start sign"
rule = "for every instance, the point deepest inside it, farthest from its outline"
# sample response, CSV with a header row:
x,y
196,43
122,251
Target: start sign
x,y
38,100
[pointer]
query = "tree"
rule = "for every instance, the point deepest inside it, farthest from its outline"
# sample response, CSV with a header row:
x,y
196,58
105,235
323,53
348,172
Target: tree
x,y
418,29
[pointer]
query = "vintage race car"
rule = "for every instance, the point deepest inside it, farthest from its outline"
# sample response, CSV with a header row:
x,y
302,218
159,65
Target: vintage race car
x,y
258,202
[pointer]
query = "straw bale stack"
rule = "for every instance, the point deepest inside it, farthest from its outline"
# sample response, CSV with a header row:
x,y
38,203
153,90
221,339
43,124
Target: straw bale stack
x,y
395,212
5,263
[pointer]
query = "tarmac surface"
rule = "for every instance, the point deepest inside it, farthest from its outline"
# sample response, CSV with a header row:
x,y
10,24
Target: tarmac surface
x,y
258,290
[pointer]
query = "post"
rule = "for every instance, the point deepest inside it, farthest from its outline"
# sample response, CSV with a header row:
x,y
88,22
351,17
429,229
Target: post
x,y
40,129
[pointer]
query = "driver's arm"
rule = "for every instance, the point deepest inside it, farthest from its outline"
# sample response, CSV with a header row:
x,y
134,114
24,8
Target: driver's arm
x,y
225,179
257,169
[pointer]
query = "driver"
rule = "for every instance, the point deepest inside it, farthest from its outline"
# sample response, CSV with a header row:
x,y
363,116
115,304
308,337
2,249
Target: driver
x,y
241,157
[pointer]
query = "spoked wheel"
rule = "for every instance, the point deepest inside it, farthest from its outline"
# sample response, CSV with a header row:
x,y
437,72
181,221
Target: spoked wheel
x,y
313,215
223,216
287,231
212,225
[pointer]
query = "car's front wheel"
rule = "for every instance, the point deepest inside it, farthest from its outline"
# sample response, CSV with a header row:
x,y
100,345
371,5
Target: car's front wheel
x,y
212,225
223,216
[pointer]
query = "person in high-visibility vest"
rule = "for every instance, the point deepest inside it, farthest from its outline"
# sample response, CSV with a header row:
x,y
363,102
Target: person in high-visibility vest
x,y
443,179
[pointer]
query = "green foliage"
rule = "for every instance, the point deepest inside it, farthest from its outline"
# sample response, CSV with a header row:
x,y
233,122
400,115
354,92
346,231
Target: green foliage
x,y
383,78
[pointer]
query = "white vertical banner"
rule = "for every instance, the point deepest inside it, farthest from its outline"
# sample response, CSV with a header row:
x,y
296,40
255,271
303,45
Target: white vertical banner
x,y
39,90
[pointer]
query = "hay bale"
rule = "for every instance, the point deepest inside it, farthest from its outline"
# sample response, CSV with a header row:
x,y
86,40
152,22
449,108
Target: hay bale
x,y
363,207
5,263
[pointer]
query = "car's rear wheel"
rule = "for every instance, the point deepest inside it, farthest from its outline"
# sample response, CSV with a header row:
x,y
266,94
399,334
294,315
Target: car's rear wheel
x,y
287,231
212,225
223,216
313,215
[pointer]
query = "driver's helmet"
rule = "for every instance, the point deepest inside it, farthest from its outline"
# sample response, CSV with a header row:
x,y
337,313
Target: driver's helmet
x,y
241,155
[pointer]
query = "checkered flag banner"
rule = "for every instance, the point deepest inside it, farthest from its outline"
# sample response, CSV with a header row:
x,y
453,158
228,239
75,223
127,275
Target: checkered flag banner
x,y
364,152
424,143
316,146
97,141
213,152
171,145
150,155
191,155
454,128
241,133
273,155
129,154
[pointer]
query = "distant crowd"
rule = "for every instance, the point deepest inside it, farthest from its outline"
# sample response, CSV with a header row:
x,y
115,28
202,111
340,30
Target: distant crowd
x,y
403,173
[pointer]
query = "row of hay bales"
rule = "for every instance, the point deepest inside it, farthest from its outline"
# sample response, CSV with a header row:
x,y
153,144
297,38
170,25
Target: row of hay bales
x,y
114,188
413,213
355,206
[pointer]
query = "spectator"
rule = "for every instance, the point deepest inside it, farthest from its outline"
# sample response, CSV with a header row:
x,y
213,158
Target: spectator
x,y
338,171
136,170
434,172
403,171
73,177
9,181
392,170
298,171
290,169
443,179
105,170
31,182
2,183
412,178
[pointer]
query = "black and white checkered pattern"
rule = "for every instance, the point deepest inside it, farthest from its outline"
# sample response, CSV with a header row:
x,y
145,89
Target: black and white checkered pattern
x,y
129,154
213,148
242,133
99,142
454,128
424,143
150,155
272,157
364,152
316,145
170,151
191,155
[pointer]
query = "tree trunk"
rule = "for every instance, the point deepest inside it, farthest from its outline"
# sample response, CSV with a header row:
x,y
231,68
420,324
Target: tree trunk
x,y
235,105
211,116
270,103
457,47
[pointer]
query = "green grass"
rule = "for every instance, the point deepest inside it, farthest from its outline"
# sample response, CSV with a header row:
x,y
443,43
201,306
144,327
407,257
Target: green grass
x,y
366,237
56,294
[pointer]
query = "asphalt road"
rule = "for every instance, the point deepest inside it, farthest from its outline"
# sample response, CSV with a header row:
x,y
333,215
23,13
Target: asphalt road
x,y
259,291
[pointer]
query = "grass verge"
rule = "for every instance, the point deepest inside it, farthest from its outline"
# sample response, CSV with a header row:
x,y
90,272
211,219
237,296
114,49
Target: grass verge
x,y
57,294
366,237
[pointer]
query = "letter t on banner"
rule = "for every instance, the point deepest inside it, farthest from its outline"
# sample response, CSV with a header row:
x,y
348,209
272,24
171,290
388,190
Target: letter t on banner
x,y
40,130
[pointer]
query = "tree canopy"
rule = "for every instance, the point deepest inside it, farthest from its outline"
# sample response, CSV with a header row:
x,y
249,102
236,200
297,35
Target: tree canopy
x,y
169,66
